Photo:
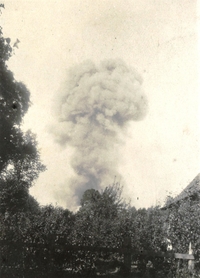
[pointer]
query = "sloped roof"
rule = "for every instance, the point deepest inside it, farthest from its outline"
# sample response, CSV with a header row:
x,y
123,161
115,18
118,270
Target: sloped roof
x,y
192,188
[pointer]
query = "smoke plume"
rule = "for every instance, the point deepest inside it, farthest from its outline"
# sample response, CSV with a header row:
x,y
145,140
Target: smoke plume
x,y
95,105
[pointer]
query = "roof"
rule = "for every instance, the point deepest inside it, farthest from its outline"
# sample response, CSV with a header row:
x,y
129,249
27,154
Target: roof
x,y
192,188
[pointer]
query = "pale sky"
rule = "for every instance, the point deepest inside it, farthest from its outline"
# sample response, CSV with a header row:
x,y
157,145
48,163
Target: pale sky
x,y
157,37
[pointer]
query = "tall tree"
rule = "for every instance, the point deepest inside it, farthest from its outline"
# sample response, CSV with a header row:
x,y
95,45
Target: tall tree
x,y
19,157
98,219
14,103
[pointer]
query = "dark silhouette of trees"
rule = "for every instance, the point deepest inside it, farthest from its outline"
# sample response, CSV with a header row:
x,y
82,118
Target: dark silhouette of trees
x,y
98,221
20,161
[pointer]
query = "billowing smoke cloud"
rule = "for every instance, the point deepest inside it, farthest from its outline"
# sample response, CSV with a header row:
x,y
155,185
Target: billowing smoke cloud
x,y
94,108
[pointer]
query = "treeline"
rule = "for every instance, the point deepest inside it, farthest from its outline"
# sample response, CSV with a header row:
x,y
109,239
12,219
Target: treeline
x,y
103,220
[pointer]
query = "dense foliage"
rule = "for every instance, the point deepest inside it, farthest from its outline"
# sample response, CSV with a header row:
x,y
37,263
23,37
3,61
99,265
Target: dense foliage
x,y
105,220
20,162
98,220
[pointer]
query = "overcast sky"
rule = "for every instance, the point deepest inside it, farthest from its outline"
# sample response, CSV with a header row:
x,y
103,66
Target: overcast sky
x,y
159,38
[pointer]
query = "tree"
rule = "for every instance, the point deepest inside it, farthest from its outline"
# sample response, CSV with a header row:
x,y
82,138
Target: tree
x,y
14,103
98,224
90,196
98,219
20,161
51,227
25,165
54,221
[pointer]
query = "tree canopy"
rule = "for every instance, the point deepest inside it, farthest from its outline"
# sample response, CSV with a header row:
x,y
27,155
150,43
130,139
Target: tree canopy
x,y
20,161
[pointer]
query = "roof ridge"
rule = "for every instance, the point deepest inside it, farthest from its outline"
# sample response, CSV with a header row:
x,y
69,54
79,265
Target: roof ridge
x,y
192,187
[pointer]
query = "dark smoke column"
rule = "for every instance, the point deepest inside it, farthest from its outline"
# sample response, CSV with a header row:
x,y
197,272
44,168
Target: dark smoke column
x,y
95,106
